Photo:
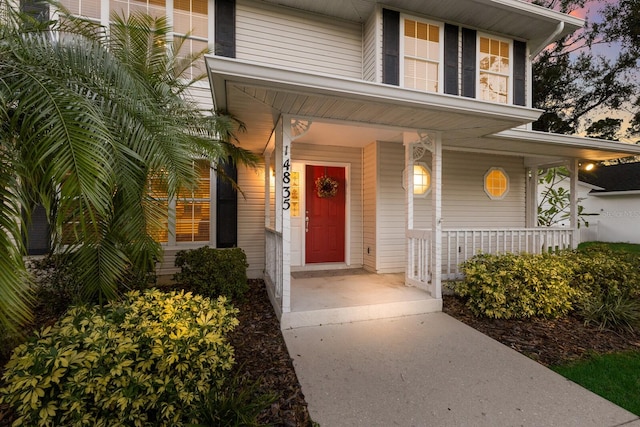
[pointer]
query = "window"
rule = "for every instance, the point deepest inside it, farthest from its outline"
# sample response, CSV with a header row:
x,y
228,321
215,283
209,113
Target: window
x,y
421,53
421,179
155,8
188,217
87,8
496,183
190,24
494,69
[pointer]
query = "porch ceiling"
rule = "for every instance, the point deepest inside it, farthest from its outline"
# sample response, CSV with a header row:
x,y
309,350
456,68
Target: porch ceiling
x,y
548,145
508,17
258,94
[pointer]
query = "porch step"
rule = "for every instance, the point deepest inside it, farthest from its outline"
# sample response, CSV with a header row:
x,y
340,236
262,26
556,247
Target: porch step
x,y
338,315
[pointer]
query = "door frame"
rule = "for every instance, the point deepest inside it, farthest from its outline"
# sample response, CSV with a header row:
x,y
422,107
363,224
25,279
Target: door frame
x,y
347,213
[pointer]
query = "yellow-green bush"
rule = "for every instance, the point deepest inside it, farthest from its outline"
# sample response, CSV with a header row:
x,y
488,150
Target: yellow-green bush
x,y
516,286
148,360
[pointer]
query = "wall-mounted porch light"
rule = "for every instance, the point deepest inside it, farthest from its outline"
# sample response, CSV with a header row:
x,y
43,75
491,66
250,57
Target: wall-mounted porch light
x,y
421,179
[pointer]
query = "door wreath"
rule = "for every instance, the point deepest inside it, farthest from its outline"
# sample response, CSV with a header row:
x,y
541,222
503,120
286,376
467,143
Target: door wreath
x,y
326,186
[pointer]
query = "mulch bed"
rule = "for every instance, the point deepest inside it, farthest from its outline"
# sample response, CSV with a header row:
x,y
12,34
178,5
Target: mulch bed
x,y
261,354
548,341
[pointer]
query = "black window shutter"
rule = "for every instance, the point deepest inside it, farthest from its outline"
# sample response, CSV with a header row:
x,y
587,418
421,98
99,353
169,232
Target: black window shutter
x,y
451,59
36,232
519,72
391,47
38,9
468,63
227,208
225,32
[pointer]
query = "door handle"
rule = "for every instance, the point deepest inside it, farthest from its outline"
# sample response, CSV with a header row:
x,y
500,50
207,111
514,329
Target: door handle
x,y
306,223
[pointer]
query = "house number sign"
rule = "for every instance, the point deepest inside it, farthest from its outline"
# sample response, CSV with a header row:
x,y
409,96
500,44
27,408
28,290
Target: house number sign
x,y
286,180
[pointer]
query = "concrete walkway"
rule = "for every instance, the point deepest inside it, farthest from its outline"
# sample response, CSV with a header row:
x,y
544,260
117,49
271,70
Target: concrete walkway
x,y
432,370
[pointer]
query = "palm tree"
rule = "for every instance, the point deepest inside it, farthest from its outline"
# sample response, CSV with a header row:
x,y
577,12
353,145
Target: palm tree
x,y
86,121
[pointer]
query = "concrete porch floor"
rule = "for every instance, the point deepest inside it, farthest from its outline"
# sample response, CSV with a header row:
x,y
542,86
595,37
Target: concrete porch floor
x,y
340,296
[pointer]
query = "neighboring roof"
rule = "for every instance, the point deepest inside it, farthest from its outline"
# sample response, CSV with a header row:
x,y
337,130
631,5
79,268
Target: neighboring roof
x,y
538,25
622,177
554,145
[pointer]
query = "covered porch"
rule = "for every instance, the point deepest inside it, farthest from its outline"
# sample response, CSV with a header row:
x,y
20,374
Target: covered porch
x,y
377,134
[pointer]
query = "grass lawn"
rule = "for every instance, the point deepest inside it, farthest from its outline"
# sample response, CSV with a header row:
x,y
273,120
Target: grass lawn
x,y
616,377
617,247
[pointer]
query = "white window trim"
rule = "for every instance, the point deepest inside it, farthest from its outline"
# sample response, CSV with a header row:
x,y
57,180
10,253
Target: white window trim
x,y
440,49
510,77
484,183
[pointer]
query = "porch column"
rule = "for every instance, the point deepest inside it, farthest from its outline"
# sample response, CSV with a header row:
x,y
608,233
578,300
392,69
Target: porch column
x,y
408,198
282,201
531,220
573,201
436,217
267,188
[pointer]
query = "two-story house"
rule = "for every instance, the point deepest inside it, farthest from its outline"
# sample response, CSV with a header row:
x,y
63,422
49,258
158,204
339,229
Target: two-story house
x,y
395,135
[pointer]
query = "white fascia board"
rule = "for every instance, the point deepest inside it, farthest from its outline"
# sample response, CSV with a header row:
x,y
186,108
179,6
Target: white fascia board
x,y
569,140
535,11
222,69
615,193
590,186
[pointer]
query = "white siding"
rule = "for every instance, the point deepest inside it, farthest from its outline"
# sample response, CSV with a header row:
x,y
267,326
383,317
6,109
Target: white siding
x,y
251,218
352,156
294,40
617,218
369,206
391,217
370,49
464,202
201,94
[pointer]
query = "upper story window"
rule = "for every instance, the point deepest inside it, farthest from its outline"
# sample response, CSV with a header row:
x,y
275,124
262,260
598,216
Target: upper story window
x,y
155,8
190,26
495,69
421,49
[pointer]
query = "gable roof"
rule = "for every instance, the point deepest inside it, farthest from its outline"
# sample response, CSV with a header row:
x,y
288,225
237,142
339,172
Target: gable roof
x,y
622,177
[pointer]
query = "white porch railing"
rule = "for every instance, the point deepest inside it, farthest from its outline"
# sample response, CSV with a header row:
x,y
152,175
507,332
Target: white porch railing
x,y
460,245
273,261
419,257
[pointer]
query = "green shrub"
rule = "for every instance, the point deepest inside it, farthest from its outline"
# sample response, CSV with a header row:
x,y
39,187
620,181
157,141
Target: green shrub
x,y
238,403
611,312
213,272
148,360
516,286
608,285
58,286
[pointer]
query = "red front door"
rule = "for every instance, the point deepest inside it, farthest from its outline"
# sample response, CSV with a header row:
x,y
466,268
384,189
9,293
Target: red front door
x,y
326,216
